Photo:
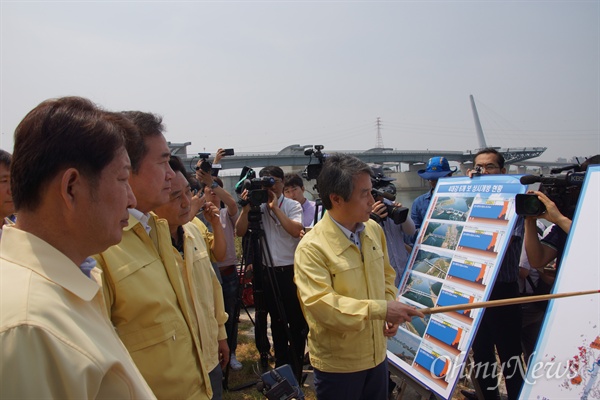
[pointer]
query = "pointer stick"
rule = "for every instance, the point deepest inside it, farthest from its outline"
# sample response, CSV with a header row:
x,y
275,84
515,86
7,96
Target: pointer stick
x,y
504,302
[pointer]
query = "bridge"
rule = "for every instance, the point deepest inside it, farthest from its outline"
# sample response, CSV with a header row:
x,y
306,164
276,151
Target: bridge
x,y
293,156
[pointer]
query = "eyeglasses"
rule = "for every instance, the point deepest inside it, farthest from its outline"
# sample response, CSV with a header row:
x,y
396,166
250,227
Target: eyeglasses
x,y
488,167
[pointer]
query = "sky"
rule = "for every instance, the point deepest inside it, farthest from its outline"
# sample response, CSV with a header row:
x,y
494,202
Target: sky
x,y
258,76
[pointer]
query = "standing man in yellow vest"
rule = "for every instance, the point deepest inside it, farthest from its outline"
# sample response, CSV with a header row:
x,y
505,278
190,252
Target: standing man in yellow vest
x,y
145,294
346,287
70,187
201,282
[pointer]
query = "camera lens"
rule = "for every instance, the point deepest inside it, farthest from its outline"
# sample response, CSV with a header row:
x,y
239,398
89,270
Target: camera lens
x,y
533,206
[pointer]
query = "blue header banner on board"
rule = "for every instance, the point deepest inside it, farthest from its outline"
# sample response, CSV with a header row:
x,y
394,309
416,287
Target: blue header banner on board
x,y
455,260
566,362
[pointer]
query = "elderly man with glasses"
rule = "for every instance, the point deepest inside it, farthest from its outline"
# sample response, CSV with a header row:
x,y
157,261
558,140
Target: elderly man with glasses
x,y
500,328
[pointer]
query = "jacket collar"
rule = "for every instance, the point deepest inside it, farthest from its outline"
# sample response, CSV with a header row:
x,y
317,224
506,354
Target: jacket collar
x,y
31,252
336,238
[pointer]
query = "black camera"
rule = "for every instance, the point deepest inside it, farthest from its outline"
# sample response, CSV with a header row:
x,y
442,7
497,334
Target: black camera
x,y
312,171
228,152
395,213
257,194
256,187
529,205
383,187
562,189
204,164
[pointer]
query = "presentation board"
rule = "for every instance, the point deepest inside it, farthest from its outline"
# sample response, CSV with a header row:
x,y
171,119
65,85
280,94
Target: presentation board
x,y
455,260
566,362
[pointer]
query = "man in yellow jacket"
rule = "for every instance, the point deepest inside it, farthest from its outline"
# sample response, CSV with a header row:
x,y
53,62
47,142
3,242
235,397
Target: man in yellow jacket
x,y
71,190
145,294
346,287
202,285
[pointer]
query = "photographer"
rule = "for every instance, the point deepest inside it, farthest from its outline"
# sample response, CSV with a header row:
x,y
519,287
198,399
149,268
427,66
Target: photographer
x,y
282,223
215,167
394,233
500,327
541,252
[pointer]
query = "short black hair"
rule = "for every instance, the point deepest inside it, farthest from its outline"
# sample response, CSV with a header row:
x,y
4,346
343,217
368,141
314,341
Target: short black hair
x,y
272,170
337,177
491,150
5,158
68,132
293,180
147,125
177,166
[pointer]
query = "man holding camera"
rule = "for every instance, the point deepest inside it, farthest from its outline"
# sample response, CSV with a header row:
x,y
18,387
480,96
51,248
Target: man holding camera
x,y
282,224
500,327
346,287
394,231
542,250
551,246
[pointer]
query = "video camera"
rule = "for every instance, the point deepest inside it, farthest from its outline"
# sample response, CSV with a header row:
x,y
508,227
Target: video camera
x,y
312,171
383,187
257,192
204,164
562,189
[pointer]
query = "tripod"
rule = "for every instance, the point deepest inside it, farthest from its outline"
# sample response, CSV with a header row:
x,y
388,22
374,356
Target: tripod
x,y
266,286
239,303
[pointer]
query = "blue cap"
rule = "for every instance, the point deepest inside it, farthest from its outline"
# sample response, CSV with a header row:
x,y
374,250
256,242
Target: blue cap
x,y
437,167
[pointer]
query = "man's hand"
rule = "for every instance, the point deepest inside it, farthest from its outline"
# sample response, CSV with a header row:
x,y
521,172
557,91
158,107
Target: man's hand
x,y
223,353
552,213
244,197
198,201
204,177
398,313
220,154
473,172
272,204
211,213
380,209
389,329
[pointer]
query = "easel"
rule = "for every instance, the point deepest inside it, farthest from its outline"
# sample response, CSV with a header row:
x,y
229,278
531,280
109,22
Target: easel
x,y
407,381
424,392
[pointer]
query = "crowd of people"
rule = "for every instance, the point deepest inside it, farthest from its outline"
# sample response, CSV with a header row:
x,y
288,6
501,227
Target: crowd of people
x,y
120,277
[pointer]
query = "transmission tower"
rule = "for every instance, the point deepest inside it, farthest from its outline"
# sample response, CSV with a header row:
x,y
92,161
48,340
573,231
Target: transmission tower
x,y
379,138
